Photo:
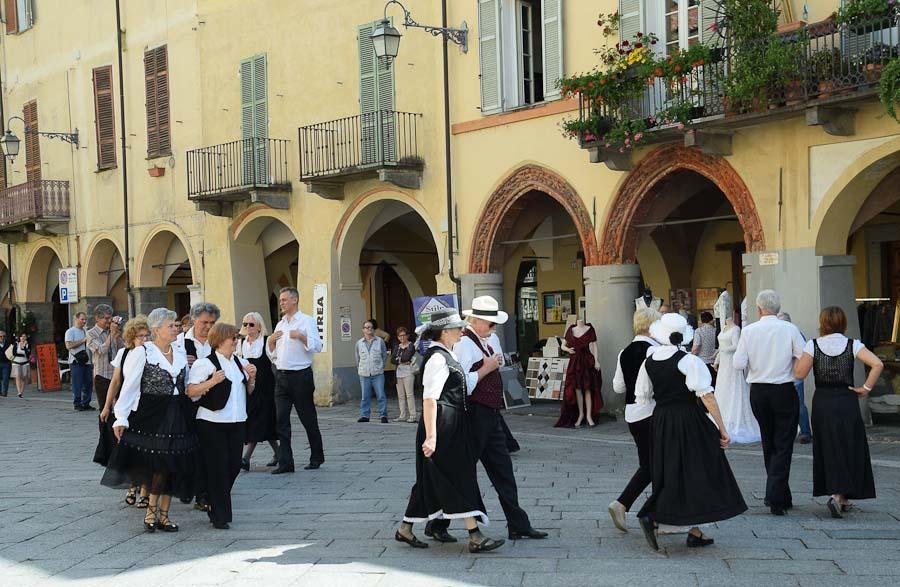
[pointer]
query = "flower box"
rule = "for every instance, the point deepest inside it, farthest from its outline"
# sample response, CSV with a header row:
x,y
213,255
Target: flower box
x,y
156,171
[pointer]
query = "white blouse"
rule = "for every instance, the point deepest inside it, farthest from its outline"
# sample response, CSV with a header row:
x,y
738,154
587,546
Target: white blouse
x,y
117,362
697,376
251,350
130,392
634,412
832,345
435,374
235,409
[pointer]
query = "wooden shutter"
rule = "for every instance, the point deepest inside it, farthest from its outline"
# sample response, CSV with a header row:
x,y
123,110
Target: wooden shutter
x,y
254,118
12,23
376,99
104,116
709,12
631,19
552,42
32,144
156,85
489,56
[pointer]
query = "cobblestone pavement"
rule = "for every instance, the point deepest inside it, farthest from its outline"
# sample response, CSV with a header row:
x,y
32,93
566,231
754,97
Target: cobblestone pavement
x,y
335,526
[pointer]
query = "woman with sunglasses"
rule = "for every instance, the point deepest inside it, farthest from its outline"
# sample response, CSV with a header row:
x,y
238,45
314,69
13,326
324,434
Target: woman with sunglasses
x,y
220,384
260,405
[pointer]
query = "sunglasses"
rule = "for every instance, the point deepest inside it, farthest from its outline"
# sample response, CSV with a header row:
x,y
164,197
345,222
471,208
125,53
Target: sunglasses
x,y
249,324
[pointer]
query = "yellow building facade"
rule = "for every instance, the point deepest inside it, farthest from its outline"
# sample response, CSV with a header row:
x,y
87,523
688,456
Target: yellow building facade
x,y
290,155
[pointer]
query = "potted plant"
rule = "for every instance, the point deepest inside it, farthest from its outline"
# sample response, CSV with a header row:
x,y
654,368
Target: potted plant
x,y
889,87
866,16
830,70
156,171
874,60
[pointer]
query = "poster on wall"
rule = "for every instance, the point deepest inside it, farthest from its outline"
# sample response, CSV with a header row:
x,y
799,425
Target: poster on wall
x,y
48,367
558,305
320,310
682,300
425,305
68,285
707,298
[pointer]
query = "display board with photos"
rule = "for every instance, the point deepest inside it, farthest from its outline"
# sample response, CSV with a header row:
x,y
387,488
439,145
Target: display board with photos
x,y
681,299
546,377
706,298
557,306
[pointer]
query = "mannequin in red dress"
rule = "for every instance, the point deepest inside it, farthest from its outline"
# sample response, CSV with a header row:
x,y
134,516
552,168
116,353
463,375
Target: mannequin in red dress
x,y
581,396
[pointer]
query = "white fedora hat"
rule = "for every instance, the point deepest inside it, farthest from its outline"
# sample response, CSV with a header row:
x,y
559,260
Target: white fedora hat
x,y
486,308
669,324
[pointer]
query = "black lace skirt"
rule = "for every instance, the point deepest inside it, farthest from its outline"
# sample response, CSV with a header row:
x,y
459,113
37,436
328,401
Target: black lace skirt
x,y
159,449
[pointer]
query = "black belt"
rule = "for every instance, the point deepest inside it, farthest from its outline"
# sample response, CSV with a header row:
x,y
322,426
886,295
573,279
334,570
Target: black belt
x,y
289,371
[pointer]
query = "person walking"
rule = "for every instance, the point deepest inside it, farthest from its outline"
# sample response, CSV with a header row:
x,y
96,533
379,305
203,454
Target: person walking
x,y
5,363
446,484
403,355
638,417
480,356
732,389
805,436
103,342
767,350
219,385
80,364
705,343
291,347
157,443
371,353
842,467
261,403
21,363
692,481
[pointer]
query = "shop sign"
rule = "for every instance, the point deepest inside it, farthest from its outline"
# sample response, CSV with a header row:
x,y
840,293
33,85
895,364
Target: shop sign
x,y
320,310
68,285
768,259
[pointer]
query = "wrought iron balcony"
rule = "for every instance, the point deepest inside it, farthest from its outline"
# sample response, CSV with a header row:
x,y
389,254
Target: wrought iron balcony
x,y
40,205
831,67
254,169
382,144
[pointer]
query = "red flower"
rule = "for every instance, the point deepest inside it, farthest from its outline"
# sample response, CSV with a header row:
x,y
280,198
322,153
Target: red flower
x,y
638,45
625,43
677,69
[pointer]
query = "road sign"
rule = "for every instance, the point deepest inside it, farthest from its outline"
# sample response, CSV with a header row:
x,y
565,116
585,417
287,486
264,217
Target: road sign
x,y
68,285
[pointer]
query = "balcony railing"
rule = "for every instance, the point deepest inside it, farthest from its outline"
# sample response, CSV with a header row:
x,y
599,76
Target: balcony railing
x,y
354,144
40,200
238,167
830,64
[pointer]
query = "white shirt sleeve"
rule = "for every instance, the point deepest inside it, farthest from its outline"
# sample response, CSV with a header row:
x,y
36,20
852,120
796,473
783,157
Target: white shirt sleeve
x,y
201,371
797,343
117,362
434,376
697,376
468,354
643,387
313,342
857,346
740,359
619,378
130,391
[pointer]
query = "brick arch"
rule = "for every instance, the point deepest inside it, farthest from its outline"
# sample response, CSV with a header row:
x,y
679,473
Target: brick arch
x,y
500,211
647,181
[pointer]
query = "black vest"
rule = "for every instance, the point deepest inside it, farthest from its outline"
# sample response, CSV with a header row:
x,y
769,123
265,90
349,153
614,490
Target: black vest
x,y
216,398
190,349
632,358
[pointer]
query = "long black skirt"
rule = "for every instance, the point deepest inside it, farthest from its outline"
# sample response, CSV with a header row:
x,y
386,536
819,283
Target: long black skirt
x,y
106,443
841,462
158,450
261,411
692,480
446,483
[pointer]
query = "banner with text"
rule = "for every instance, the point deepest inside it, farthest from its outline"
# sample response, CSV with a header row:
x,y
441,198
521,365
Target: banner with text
x,y
320,310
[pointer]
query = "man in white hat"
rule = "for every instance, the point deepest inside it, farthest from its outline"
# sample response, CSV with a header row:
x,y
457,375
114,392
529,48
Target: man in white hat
x,y
480,346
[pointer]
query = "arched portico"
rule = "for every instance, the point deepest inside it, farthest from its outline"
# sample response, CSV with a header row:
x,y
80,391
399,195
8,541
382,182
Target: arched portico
x,y
165,271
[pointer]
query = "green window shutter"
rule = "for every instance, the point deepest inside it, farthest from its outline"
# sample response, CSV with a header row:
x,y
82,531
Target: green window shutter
x,y
254,120
631,19
376,101
260,97
489,56
552,37
246,98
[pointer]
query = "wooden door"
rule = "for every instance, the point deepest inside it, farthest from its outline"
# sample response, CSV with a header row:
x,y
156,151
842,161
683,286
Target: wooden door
x,y
397,302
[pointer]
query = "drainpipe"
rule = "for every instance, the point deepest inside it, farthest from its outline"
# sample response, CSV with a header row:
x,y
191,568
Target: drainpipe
x,y
126,261
447,161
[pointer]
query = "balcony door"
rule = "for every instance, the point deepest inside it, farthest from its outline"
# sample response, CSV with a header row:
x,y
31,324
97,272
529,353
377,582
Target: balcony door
x,y
254,122
377,127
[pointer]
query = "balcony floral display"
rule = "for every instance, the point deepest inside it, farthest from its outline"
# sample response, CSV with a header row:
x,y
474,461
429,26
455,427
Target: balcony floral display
x,y
861,16
889,88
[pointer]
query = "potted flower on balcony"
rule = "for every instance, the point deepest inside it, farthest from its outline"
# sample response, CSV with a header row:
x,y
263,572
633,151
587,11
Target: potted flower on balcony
x,y
866,16
874,60
889,87
830,70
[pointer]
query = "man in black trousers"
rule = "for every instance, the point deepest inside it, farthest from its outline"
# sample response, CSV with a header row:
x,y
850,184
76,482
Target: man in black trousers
x,y
480,346
291,348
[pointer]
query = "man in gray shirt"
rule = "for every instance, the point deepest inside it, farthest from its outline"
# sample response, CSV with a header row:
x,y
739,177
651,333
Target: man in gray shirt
x,y
80,364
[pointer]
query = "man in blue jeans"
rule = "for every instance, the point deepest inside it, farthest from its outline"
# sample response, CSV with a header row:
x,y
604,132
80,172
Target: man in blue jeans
x,y
371,353
80,363
5,364
805,436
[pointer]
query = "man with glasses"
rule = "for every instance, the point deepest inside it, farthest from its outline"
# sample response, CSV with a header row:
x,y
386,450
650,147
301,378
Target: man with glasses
x,y
103,341
5,364
371,354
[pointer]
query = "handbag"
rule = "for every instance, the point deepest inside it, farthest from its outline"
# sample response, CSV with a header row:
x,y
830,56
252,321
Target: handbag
x,y
10,352
81,357
414,366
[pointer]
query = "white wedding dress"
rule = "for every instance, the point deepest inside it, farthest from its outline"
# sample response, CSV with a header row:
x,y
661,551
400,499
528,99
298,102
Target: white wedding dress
x,y
733,391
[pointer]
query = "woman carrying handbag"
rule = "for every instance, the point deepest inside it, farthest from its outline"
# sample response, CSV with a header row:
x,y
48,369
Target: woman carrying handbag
x,y
405,357
20,355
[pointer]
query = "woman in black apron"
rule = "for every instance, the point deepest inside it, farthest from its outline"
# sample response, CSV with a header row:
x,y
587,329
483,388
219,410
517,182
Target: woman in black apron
x,y
260,405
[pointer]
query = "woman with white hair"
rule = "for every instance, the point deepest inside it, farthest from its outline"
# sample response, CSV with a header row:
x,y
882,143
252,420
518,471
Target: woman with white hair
x,y
261,403
157,445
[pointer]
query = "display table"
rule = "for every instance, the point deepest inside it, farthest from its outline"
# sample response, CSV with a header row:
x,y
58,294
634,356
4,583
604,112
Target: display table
x,y
545,378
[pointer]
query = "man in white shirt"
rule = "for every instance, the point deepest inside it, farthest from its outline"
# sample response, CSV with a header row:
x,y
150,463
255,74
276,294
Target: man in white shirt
x,y
291,348
767,350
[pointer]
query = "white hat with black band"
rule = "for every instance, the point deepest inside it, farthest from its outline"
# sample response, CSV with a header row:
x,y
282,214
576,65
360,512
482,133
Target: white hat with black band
x,y
486,308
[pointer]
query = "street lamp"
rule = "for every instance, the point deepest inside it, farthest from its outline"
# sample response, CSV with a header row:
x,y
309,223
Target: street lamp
x,y
387,39
10,143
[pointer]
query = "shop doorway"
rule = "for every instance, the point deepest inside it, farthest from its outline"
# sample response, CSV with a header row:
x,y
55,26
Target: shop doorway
x,y
527,312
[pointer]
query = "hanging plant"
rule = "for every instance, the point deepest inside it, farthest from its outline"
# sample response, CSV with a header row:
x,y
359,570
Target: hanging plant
x,y
868,12
889,88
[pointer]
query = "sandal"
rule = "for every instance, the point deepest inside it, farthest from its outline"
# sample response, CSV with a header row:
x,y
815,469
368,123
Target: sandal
x,y
165,524
131,496
150,519
485,545
144,502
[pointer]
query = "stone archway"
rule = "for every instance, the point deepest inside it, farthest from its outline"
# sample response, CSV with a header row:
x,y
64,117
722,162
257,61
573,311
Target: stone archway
x,y
637,195
501,209
165,272
103,277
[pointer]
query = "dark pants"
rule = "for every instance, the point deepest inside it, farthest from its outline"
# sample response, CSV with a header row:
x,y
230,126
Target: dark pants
x,y
294,389
642,432
489,444
5,370
82,376
777,409
101,387
713,373
220,445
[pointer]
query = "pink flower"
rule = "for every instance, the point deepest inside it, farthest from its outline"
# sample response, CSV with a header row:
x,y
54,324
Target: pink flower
x,y
638,136
627,142
680,125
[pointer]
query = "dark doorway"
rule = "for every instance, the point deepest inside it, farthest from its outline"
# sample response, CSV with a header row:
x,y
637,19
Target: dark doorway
x,y
60,323
527,311
182,302
398,309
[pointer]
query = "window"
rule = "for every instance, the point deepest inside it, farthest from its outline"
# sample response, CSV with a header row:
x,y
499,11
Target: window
x,y
156,83
19,15
678,23
104,118
254,119
32,143
520,52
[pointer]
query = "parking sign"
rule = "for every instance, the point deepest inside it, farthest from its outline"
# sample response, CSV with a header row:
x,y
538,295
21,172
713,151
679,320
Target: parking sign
x,y
68,285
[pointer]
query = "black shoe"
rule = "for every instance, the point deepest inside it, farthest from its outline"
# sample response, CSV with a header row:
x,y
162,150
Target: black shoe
x,y
76,408
312,465
283,469
88,408
384,420
529,533
245,464
273,462
441,535
186,499
777,511
649,532
221,525
694,541
413,541
363,419
486,545
834,508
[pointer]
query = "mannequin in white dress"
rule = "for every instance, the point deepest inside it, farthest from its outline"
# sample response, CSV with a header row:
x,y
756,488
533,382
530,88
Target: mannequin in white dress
x,y
733,391
646,300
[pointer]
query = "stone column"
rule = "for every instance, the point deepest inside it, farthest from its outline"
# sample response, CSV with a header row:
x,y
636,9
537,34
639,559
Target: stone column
x,y
610,291
148,298
491,284
196,293
43,319
346,302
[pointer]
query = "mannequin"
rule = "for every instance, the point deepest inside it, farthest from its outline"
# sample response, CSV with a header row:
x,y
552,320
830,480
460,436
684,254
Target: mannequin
x,y
583,380
646,300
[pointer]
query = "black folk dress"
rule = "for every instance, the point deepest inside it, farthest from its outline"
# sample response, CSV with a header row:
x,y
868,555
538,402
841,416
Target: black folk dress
x,y
261,403
446,483
692,480
841,462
